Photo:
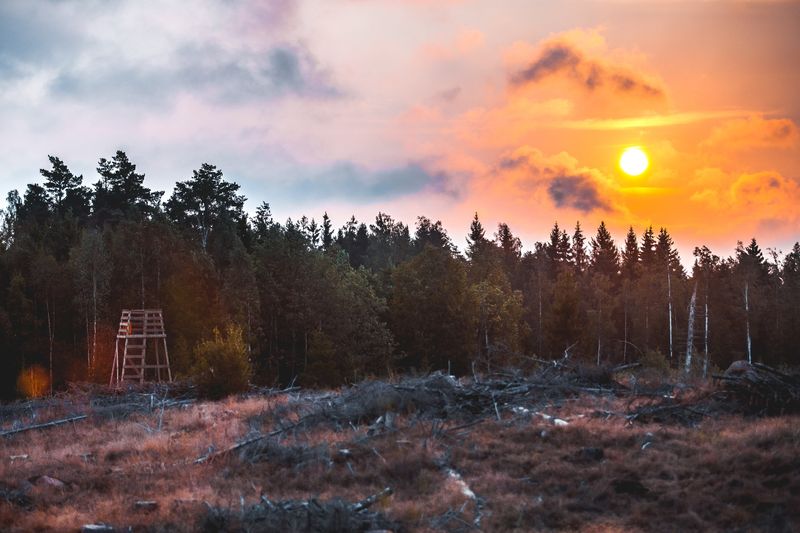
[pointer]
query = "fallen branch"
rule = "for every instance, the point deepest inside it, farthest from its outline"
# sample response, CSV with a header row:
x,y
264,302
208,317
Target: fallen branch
x,y
371,500
42,426
249,441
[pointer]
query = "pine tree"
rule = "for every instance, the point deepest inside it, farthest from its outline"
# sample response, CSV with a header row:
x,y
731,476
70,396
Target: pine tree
x,y
65,190
647,254
666,254
579,249
476,239
120,193
508,243
630,255
605,256
205,201
327,231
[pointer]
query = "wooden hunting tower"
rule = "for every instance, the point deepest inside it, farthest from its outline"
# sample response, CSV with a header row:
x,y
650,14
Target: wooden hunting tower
x,y
138,348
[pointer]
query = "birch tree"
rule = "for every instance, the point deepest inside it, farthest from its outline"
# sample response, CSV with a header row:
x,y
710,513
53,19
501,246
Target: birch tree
x,y
92,269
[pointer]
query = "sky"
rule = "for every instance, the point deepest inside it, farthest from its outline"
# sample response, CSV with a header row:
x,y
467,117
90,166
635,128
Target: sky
x,y
515,109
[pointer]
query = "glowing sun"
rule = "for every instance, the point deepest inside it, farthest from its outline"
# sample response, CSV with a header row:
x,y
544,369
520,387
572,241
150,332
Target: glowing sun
x,y
633,161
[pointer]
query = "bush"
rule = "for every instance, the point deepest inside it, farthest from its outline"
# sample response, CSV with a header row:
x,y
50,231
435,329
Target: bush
x,y
655,360
221,365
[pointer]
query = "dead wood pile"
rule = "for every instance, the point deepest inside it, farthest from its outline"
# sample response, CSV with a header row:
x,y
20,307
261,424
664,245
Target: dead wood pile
x,y
761,388
442,396
302,515
744,388
91,401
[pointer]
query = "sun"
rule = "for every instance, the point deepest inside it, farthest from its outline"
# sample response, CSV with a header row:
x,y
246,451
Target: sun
x,y
633,161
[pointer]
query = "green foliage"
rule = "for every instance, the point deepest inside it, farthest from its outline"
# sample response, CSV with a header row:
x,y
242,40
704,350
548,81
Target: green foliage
x,y
221,365
655,360
205,202
499,317
324,307
431,312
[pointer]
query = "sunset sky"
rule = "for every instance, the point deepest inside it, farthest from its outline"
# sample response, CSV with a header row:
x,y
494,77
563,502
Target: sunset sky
x,y
516,109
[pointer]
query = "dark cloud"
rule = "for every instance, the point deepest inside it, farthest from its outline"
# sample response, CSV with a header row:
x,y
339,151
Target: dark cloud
x,y
449,95
552,60
350,181
30,39
577,192
563,59
207,71
566,183
47,36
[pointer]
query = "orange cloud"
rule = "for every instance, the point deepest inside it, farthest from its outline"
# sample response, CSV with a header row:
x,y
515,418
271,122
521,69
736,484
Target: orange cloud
x,y
563,181
755,196
648,121
753,132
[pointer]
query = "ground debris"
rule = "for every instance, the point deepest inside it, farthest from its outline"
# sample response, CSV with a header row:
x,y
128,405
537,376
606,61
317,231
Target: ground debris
x,y
276,453
301,515
745,389
761,388
442,396
15,497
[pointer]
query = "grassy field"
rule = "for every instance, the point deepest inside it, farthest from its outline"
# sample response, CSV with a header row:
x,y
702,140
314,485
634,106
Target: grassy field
x,y
571,463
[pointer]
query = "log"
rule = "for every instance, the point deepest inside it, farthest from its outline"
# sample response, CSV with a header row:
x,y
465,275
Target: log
x,y
371,500
249,441
42,426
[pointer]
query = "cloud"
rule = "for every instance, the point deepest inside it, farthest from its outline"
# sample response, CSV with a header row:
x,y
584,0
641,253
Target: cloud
x,y
764,195
209,72
577,192
561,58
648,121
347,180
567,184
753,132
229,52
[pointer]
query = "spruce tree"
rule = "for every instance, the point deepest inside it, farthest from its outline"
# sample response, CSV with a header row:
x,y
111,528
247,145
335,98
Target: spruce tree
x,y
605,257
579,256
327,231
630,255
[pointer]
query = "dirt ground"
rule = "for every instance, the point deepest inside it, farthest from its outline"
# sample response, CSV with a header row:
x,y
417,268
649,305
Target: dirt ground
x,y
528,461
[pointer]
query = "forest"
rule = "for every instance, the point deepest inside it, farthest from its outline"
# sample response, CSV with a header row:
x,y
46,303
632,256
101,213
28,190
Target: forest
x,y
323,306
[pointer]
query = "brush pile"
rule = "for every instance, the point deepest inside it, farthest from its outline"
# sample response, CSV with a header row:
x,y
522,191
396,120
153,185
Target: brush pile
x,y
760,388
301,515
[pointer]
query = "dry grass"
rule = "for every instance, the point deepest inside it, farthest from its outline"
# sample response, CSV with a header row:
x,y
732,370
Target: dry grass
x,y
526,473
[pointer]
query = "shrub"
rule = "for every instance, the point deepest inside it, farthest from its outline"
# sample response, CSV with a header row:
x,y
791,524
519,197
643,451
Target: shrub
x,y
221,365
655,360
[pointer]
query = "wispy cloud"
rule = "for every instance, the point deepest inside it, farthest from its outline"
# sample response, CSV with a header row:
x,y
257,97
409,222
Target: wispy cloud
x,y
648,121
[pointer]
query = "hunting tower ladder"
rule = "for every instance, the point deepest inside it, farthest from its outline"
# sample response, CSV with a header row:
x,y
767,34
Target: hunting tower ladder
x,y
141,335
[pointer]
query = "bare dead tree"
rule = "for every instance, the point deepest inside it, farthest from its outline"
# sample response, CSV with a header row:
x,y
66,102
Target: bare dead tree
x,y
669,308
747,322
690,330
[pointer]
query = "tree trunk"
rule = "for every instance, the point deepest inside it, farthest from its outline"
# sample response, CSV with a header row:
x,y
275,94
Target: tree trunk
x,y
599,332
50,325
625,325
690,330
747,322
541,332
705,340
94,316
141,262
88,345
669,308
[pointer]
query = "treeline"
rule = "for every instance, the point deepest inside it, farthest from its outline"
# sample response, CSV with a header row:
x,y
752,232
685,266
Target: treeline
x,y
325,306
